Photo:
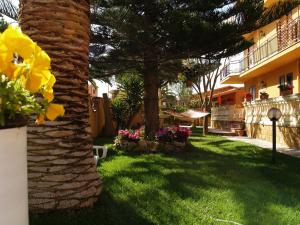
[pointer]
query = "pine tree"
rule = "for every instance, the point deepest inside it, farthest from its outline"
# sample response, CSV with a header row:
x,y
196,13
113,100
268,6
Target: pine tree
x,y
154,36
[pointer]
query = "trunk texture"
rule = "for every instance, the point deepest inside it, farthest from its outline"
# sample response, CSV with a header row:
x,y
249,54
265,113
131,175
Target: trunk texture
x,y
205,125
61,167
205,119
109,128
151,86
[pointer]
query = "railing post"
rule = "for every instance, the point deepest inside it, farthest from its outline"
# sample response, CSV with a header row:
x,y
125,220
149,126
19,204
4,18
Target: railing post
x,y
267,52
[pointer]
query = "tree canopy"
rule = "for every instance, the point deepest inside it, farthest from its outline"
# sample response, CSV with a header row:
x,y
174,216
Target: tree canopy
x,y
8,9
154,36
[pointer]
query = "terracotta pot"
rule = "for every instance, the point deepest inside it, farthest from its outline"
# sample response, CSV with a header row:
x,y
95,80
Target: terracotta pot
x,y
13,177
264,97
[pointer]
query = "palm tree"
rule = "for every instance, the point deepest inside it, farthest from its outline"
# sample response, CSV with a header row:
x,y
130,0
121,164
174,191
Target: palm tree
x,y
8,9
62,171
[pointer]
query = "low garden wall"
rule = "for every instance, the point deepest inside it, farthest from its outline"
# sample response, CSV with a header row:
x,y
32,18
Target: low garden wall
x,y
145,146
171,139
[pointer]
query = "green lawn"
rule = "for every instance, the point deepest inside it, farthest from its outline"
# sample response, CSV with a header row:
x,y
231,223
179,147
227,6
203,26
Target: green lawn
x,y
215,180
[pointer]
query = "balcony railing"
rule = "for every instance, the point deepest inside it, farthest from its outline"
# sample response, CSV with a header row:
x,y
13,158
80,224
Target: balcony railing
x,y
228,113
285,38
256,111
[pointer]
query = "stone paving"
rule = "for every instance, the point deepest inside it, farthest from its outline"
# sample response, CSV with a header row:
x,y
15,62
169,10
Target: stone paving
x,y
266,144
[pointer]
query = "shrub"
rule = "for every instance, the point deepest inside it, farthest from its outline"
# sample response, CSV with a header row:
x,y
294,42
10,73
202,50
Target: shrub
x,y
174,133
131,135
120,112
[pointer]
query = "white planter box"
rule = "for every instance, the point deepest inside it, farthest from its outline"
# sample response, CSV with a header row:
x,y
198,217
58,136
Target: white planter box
x,y
13,177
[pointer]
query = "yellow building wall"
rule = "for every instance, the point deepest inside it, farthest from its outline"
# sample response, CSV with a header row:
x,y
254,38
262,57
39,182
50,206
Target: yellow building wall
x,y
257,123
272,80
262,35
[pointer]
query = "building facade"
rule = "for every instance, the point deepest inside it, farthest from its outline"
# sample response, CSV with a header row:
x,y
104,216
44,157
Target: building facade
x,y
227,112
270,71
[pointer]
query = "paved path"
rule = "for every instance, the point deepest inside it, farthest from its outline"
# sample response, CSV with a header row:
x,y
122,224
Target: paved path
x,y
266,144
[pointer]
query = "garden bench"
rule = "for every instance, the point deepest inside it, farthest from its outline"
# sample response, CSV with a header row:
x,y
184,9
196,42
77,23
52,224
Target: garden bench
x,y
96,150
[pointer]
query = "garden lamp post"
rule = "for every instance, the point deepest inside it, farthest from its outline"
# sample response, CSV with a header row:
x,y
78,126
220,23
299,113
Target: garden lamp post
x,y
274,115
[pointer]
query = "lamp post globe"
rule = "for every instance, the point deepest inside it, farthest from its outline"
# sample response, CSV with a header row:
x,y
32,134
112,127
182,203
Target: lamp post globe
x,y
274,115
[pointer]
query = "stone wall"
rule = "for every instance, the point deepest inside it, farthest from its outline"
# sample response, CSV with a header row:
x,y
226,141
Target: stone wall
x,y
288,136
259,126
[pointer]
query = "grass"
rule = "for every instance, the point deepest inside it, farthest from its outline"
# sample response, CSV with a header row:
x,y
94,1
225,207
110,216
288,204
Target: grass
x,y
215,182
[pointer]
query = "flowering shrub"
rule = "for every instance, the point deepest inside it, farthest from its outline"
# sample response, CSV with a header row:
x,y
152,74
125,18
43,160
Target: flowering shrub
x,y
174,133
171,139
26,83
131,135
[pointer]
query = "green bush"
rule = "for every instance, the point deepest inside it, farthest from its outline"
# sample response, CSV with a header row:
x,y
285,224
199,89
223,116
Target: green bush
x,y
120,112
129,100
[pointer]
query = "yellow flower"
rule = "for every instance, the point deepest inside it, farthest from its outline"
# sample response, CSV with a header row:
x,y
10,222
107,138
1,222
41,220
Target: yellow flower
x,y
48,95
39,75
18,42
51,81
34,82
41,59
48,89
21,71
6,56
10,70
40,119
54,110
31,68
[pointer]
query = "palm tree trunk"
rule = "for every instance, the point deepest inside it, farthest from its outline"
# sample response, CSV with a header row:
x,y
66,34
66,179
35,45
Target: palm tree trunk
x,y
61,168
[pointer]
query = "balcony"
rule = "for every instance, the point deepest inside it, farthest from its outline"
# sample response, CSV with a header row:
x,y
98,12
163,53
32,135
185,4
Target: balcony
x,y
228,113
228,117
256,111
288,127
276,51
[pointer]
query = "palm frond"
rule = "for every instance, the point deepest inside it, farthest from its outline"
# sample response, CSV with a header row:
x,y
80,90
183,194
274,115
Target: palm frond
x,y
8,9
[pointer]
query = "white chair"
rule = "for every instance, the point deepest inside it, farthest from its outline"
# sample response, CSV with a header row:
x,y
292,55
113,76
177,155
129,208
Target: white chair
x,y
96,151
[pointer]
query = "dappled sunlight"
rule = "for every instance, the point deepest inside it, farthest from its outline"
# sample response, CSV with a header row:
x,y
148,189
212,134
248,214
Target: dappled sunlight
x,y
215,179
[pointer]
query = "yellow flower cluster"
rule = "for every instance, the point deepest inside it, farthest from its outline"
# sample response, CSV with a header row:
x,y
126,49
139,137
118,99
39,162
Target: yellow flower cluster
x,y
21,58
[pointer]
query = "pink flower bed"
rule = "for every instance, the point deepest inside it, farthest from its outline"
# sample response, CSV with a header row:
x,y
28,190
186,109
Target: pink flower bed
x,y
170,139
130,135
174,133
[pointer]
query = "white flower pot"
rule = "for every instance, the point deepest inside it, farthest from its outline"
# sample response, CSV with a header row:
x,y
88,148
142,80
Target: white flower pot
x,y
13,177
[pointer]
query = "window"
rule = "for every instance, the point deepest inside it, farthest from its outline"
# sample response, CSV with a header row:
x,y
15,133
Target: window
x,y
282,80
286,84
252,91
289,78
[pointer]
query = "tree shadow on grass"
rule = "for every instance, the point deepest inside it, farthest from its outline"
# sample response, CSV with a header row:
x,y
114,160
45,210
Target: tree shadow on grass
x,y
259,187
215,178
106,211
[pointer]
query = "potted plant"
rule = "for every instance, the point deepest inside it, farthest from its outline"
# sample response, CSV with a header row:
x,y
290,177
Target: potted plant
x,y
264,95
248,97
25,91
